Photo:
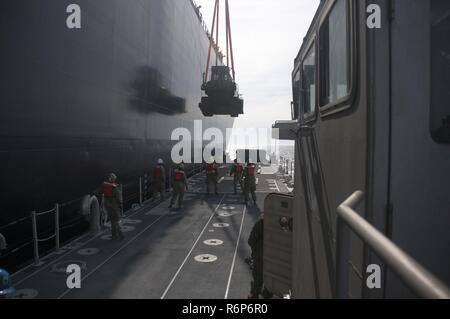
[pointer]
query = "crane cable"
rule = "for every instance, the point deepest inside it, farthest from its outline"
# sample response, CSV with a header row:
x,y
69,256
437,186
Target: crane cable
x,y
229,41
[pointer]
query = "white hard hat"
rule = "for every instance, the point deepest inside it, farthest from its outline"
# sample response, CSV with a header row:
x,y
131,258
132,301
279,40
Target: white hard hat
x,y
112,177
160,161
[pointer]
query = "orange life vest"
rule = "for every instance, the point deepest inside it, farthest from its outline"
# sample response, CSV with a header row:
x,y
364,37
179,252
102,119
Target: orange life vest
x,y
250,170
108,189
211,169
179,176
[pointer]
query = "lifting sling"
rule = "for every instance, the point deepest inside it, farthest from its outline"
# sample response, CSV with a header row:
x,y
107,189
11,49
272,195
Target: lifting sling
x,y
221,90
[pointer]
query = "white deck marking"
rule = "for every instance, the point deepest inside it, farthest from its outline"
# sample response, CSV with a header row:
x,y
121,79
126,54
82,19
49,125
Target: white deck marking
x,y
213,242
225,214
127,229
113,255
88,251
71,243
68,252
235,253
221,225
278,189
26,294
228,208
192,249
206,258
106,237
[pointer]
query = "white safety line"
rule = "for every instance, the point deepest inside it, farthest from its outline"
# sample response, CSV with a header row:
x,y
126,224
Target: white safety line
x,y
276,184
72,250
46,266
45,257
192,249
235,253
114,254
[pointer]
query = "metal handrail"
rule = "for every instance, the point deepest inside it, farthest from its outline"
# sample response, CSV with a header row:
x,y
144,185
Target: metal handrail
x,y
37,240
411,273
144,183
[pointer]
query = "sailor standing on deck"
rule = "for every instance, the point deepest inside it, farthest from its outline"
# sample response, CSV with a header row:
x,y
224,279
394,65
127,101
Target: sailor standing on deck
x,y
212,174
237,170
159,178
113,204
179,186
250,182
256,242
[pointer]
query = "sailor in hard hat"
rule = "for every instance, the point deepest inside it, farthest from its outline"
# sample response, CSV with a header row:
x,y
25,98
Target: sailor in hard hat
x,y
6,291
212,174
113,204
179,186
250,182
237,170
159,179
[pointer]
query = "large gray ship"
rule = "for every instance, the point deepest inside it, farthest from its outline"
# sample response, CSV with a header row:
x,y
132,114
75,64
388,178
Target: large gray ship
x,y
79,103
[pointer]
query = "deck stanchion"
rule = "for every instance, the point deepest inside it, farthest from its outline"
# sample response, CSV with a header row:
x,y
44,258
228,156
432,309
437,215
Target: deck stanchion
x,y
57,227
140,191
37,263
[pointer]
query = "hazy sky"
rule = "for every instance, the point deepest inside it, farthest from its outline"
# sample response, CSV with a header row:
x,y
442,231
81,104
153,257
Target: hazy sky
x,y
267,36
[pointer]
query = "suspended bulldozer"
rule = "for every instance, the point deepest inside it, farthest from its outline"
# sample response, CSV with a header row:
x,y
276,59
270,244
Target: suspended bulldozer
x,y
221,90
222,97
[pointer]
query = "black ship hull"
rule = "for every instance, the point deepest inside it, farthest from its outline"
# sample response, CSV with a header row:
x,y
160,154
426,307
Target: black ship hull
x,y
77,104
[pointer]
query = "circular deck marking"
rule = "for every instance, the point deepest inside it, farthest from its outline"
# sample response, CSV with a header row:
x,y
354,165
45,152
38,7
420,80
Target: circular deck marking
x,y
88,251
225,214
26,294
73,246
221,225
206,258
131,221
228,207
62,266
127,229
213,242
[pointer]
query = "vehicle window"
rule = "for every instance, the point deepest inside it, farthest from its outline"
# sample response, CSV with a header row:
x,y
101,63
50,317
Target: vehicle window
x,y
309,82
296,87
440,70
334,55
